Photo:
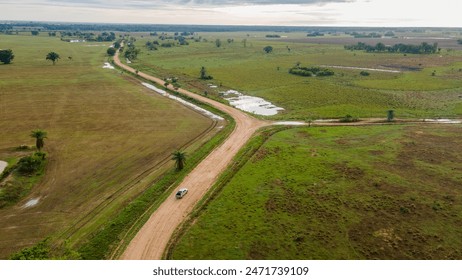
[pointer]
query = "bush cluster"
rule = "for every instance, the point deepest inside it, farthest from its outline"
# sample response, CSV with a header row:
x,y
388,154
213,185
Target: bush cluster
x,y
423,48
311,71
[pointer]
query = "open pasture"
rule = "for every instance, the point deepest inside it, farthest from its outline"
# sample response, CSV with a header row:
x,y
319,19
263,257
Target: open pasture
x,y
382,192
108,139
434,80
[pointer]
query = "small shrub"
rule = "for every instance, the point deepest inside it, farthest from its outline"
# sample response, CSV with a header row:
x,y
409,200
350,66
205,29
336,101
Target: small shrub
x,y
437,206
404,210
268,49
10,193
348,119
41,155
310,71
390,115
167,45
364,73
29,164
41,251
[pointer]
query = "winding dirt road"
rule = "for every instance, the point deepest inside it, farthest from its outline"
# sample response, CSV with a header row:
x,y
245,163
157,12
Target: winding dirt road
x,y
151,241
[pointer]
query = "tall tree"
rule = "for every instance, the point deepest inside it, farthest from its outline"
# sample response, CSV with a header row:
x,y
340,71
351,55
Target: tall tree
x,y
218,43
180,159
204,75
53,57
131,52
111,51
6,56
39,136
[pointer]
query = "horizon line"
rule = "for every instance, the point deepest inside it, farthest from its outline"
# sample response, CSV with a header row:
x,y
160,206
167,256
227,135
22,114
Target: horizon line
x,y
224,25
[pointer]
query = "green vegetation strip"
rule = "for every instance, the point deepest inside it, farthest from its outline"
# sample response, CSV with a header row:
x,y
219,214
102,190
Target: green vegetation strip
x,y
22,175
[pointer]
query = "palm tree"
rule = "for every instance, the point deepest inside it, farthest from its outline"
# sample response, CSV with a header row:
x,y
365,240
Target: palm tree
x,y
39,135
179,158
53,57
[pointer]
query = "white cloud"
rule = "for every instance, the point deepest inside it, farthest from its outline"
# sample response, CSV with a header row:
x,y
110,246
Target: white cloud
x,y
262,12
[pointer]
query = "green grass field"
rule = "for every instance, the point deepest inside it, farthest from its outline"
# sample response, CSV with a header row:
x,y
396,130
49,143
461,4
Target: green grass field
x,y
382,192
412,94
106,133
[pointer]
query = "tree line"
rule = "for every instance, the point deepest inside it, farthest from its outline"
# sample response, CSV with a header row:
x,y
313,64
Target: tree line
x,y
423,48
7,56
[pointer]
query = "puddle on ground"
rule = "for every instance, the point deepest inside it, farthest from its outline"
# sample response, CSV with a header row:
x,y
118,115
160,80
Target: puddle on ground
x,y
290,123
194,107
31,202
251,104
325,121
442,121
107,65
361,68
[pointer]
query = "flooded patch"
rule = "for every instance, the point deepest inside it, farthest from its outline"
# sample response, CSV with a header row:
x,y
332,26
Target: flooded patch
x,y
251,104
442,121
290,123
3,165
325,121
193,106
107,65
31,203
361,68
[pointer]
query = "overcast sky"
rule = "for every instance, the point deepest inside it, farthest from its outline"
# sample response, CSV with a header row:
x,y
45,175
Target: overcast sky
x,y
431,13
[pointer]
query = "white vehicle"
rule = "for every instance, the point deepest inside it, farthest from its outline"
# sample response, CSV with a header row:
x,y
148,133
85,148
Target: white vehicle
x,y
181,193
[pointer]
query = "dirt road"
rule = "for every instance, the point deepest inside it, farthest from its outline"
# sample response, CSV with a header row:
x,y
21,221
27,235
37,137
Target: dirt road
x,y
151,240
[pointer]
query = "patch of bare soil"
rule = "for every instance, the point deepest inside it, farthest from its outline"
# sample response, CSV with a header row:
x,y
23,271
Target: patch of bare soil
x,y
352,173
